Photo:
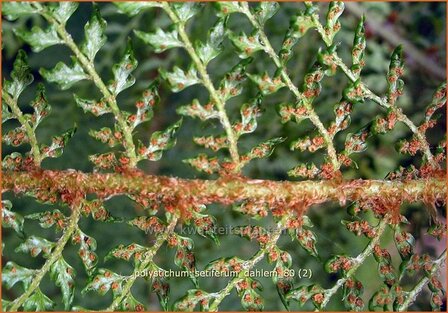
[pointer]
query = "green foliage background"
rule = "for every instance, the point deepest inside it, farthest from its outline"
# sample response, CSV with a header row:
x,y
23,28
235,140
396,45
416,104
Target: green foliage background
x,y
423,24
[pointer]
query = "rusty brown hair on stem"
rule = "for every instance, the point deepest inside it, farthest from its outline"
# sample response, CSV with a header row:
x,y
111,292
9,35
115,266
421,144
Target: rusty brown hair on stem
x,y
47,184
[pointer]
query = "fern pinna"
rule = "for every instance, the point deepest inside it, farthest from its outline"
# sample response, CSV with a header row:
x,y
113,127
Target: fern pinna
x,y
253,75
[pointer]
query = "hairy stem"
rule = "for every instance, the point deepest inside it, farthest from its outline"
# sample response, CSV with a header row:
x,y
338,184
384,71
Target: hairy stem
x,y
55,255
233,148
35,151
281,193
247,265
148,257
314,118
89,67
412,295
357,262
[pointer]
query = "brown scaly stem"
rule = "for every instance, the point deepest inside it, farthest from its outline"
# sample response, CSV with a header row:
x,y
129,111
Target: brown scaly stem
x,y
314,118
55,255
206,80
89,67
285,194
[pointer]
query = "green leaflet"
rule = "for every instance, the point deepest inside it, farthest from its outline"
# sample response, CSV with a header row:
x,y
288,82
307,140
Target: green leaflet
x,y
265,11
35,245
64,75
213,47
266,84
107,136
212,142
352,292
11,219
129,303
195,109
251,300
97,108
186,10
205,225
252,233
122,71
307,239
405,243
395,84
38,302
284,281
40,39
264,149
160,40
104,160
249,113
179,79
149,99
148,224
205,164
132,8
16,137
161,287
299,25
337,263
225,264
184,257
359,46
14,10
231,85
437,102
48,218
62,11
40,105
58,144
87,246
253,209
6,113
356,143
247,45
333,25
63,274
326,58
160,141
303,293
126,252
96,209
380,298
104,281
228,7
191,300
13,273
21,76
94,35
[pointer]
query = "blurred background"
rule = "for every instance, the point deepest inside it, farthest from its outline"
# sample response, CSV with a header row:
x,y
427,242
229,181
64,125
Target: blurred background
x,y
421,25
